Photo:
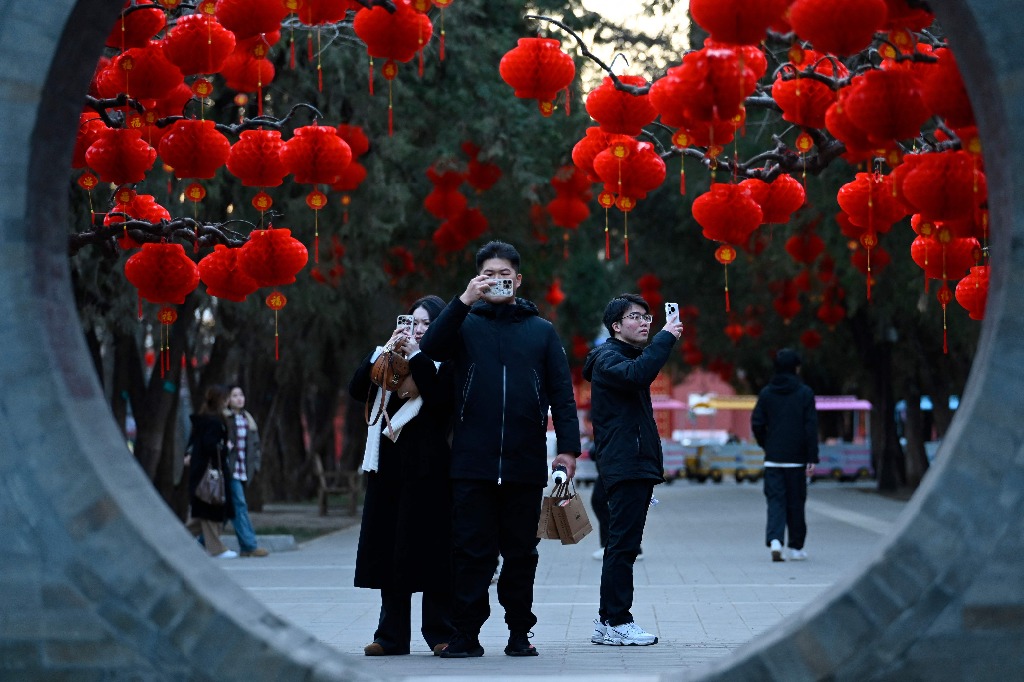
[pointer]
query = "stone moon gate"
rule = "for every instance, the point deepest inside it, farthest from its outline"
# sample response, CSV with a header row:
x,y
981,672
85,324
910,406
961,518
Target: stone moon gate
x,y
100,581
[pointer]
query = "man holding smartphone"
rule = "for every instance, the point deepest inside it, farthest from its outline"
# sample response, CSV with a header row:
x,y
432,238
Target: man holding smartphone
x,y
510,368
627,450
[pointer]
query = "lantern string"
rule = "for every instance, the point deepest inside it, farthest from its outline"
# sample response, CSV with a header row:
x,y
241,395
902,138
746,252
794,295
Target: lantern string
x,y
682,176
565,245
140,305
309,46
277,346
291,49
319,63
391,113
607,240
945,342
441,56
568,100
419,69
725,270
869,274
371,76
625,235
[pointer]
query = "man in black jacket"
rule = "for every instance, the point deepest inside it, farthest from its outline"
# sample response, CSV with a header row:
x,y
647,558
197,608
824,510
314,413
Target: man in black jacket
x,y
785,424
510,367
627,450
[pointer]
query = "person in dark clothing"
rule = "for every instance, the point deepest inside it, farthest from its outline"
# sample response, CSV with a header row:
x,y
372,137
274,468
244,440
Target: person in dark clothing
x,y
509,367
599,503
208,442
785,424
405,537
627,451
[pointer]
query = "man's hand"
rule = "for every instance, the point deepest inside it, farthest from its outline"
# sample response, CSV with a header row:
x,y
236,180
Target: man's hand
x,y
674,327
477,287
810,468
566,460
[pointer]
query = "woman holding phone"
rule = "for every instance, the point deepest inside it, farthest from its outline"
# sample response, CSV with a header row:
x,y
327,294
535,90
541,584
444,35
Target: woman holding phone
x,y
405,537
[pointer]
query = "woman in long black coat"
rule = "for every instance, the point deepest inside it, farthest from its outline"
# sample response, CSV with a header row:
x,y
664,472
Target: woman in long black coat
x,y
405,539
208,441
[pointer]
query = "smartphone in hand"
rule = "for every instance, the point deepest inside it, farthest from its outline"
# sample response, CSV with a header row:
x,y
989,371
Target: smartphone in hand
x,y
671,312
501,287
405,323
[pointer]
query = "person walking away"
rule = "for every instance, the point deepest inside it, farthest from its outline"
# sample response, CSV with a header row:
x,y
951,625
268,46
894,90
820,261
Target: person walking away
x,y
627,451
243,461
509,367
405,536
206,443
785,425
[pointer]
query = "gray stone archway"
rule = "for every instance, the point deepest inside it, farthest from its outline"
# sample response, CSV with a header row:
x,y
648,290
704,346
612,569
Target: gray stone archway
x,y
99,580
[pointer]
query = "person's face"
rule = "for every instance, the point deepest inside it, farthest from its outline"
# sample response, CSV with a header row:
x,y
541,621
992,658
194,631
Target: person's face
x,y
499,268
420,322
633,328
236,401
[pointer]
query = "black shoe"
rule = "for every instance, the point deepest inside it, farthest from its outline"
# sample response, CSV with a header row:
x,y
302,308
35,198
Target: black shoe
x,y
462,646
519,645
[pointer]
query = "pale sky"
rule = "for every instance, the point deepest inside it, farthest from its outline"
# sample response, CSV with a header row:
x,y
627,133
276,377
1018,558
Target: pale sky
x,y
624,12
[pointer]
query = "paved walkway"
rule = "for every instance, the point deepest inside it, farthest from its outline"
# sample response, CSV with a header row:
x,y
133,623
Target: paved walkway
x,y
706,586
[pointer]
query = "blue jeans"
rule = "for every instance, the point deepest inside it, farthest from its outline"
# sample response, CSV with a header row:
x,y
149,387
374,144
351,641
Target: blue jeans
x,y
241,523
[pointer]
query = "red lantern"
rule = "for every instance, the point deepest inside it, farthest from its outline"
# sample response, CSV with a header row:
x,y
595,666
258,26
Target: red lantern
x,y
140,207
568,211
555,295
620,112
198,44
972,292
805,101
355,138
481,175
396,35
537,69
89,127
248,18
735,331
444,204
136,28
944,92
256,158
469,224
841,27
194,149
727,213
245,73
859,146
944,256
351,177
316,155
318,12
120,156
710,84
630,169
778,199
223,278
887,105
868,201
944,185
831,313
805,248
272,257
810,339
162,273
595,142
742,22
144,72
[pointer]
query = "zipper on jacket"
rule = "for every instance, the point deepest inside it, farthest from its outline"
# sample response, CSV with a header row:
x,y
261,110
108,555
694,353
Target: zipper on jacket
x,y
501,442
536,393
465,392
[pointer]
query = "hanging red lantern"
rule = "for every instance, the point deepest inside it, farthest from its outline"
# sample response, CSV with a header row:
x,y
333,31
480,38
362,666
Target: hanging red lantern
x,y
787,307
481,175
778,199
469,224
162,273
447,239
841,27
944,185
710,84
194,149
140,207
630,169
942,87
120,156
972,292
444,204
737,21
580,347
198,44
245,73
272,257
319,12
136,28
144,72
620,112
810,339
89,127
316,155
355,138
887,105
555,295
805,100
831,313
399,263
805,248
256,158
396,35
595,142
727,213
538,69
859,146
248,18
276,301
944,256
351,177
871,261
222,276
869,203
568,211
735,332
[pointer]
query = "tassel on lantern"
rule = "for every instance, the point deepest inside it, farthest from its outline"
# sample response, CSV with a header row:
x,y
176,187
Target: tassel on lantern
x,y
167,316
945,296
275,301
316,200
726,254
606,200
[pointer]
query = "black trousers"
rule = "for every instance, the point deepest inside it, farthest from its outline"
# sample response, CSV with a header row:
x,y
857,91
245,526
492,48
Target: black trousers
x,y
394,630
628,503
785,489
487,520
599,503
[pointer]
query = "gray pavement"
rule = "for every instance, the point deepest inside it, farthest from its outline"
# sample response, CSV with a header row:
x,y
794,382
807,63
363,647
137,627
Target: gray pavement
x,y
706,586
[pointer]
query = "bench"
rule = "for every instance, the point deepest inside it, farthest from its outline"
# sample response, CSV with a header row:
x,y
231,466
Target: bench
x,y
337,482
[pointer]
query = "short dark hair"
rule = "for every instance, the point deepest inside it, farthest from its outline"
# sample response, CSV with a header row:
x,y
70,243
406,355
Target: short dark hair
x,y
786,361
618,306
213,399
497,249
432,304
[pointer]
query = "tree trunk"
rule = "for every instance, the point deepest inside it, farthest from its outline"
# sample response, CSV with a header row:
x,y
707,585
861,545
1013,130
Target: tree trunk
x,y
913,431
885,445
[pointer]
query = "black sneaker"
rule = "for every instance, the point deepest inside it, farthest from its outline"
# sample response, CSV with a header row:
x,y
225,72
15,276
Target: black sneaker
x,y
519,645
462,646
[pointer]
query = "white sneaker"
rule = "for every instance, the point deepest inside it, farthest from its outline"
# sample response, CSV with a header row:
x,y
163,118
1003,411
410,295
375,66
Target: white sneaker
x,y
628,634
598,555
227,554
776,548
797,555
600,635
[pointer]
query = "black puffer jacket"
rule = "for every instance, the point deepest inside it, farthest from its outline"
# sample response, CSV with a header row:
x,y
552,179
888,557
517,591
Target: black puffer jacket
x,y
785,421
627,446
509,368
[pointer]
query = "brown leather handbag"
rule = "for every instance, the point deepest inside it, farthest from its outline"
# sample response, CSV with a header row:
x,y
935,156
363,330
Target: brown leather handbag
x,y
388,372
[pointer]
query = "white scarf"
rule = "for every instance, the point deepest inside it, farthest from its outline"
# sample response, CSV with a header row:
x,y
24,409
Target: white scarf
x,y
405,414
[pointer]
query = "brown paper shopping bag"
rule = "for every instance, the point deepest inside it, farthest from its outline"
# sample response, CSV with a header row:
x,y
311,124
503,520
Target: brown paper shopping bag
x,y
571,519
546,529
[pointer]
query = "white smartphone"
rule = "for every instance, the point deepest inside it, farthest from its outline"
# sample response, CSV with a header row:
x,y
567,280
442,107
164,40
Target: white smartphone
x,y
671,311
405,323
501,288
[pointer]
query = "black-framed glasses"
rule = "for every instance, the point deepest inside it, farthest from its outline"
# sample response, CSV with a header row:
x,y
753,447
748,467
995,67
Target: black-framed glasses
x,y
637,317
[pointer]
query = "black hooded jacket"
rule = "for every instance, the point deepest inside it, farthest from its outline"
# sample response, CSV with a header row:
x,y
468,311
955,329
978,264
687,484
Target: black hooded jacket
x,y
509,368
627,446
785,421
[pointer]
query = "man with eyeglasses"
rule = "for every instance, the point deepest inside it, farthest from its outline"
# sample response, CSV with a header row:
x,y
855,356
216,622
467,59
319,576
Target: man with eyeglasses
x,y
627,450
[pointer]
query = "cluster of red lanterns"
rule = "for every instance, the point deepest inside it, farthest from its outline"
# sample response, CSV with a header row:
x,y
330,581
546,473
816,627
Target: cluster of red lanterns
x,y
461,223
